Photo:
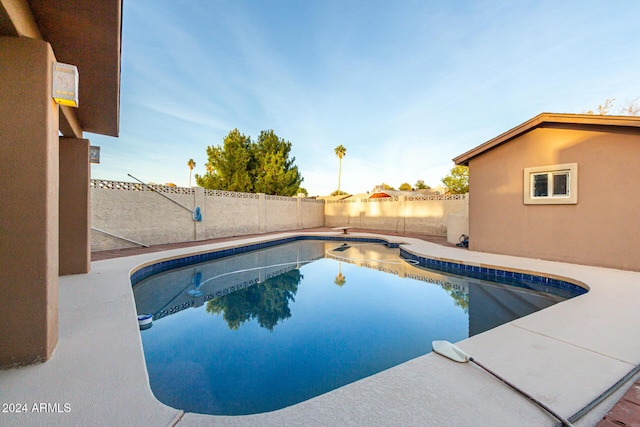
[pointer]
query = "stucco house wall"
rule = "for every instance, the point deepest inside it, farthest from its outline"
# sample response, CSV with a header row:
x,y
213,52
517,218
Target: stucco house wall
x,y
602,228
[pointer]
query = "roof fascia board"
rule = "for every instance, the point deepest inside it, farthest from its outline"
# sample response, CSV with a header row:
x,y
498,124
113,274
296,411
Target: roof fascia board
x,y
464,158
547,118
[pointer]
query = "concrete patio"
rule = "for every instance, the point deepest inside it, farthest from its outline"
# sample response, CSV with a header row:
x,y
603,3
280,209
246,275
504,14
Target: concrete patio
x,y
565,356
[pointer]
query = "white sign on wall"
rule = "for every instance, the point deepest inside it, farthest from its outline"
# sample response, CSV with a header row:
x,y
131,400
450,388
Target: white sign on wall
x,y
65,84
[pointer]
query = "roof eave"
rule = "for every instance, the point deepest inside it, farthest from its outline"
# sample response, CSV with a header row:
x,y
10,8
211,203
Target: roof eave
x,y
87,34
547,118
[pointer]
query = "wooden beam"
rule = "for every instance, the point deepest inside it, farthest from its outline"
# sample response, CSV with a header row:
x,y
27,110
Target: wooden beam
x,y
21,17
69,123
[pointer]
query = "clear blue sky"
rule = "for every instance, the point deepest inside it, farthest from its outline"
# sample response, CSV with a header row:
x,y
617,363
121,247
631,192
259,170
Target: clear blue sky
x,y
405,86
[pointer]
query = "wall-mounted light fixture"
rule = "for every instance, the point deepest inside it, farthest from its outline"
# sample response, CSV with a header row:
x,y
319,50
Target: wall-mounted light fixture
x,y
65,84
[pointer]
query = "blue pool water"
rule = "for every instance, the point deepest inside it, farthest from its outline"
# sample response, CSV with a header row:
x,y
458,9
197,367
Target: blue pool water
x,y
270,328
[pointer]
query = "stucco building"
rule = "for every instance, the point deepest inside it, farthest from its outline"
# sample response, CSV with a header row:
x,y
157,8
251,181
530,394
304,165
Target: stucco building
x,y
560,187
45,171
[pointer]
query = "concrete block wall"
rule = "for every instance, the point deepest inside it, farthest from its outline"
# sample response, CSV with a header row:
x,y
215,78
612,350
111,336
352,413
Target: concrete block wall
x,y
138,213
280,213
309,213
421,214
141,214
229,213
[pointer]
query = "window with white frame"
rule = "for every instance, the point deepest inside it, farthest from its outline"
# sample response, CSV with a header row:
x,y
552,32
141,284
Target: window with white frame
x,y
555,184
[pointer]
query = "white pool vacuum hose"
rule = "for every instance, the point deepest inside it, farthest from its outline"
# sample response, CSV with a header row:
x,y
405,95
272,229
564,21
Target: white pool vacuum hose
x,y
450,351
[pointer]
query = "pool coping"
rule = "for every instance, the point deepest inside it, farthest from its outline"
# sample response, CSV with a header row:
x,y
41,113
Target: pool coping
x,y
516,277
98,367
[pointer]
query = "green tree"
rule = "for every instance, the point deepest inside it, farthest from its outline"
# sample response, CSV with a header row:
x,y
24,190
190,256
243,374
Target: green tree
x,y
229,164
244,166
191,165
405,186
420,185
458,180
274,172
340,152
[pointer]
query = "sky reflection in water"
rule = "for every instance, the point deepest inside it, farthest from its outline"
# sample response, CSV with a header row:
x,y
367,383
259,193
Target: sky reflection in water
x,y
288,337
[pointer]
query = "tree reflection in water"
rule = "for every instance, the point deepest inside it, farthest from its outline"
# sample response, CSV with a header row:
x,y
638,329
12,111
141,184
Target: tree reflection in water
x,y
267,301
340,279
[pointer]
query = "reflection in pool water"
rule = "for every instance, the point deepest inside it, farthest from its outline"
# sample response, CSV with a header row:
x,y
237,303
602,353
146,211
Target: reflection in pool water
x,y
267,329
267,302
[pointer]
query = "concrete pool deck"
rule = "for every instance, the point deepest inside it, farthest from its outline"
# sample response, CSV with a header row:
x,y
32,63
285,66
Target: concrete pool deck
x,y
565,356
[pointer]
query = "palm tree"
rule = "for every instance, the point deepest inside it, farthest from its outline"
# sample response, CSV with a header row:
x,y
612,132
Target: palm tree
x,y
191,165
340,152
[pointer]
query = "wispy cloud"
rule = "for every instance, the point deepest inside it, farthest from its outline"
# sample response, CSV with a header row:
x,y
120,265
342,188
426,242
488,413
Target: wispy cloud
x,y
404,86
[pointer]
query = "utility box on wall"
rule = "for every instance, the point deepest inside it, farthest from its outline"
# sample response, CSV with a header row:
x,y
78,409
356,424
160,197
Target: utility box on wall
x,y
65,84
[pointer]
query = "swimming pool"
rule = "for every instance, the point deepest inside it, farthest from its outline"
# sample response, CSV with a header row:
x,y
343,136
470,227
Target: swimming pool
x,y
273,327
